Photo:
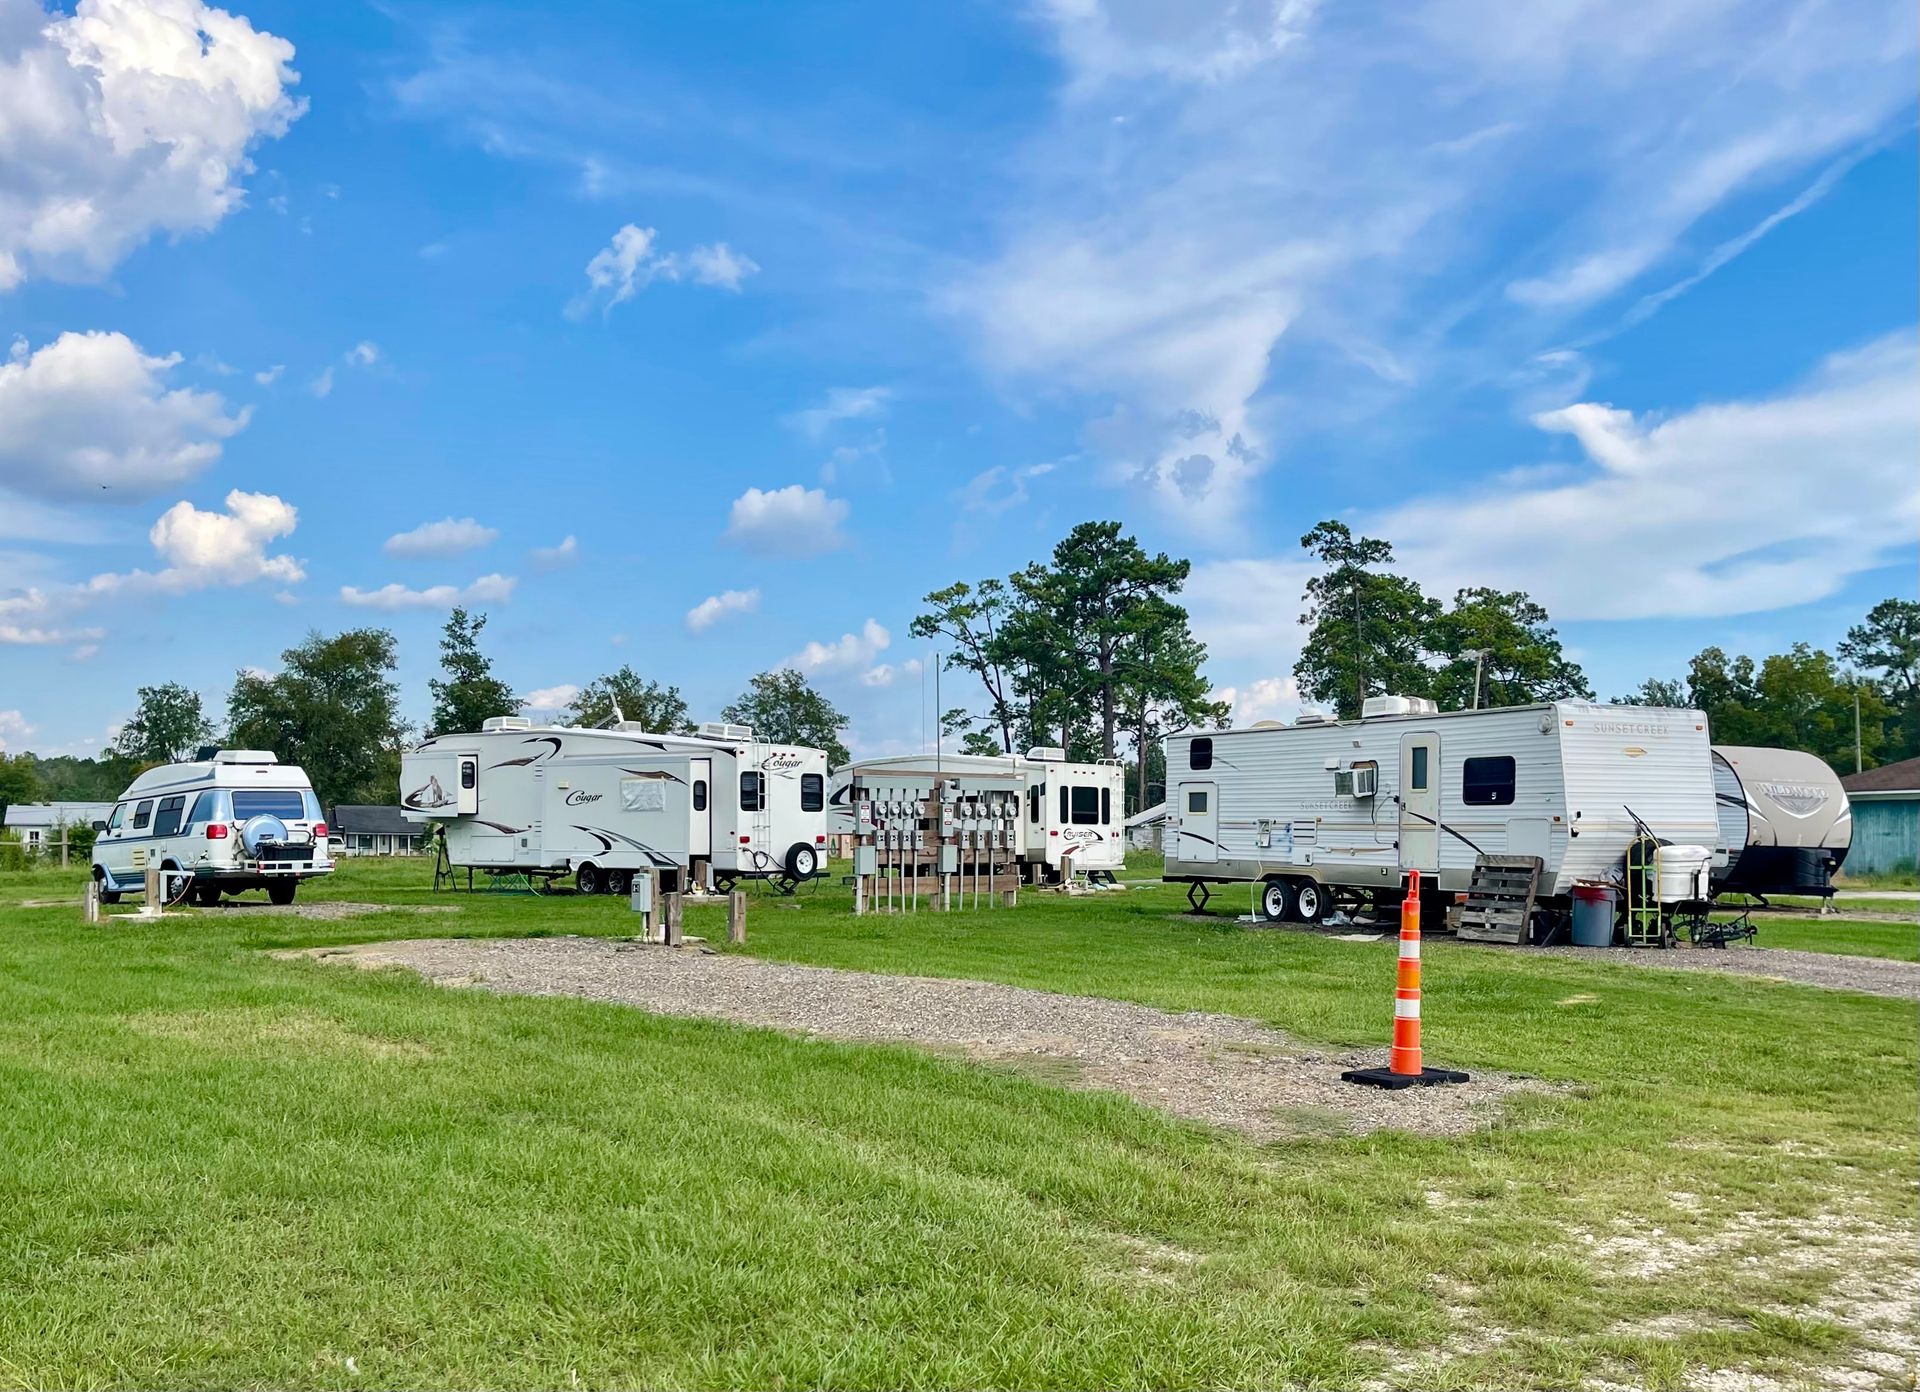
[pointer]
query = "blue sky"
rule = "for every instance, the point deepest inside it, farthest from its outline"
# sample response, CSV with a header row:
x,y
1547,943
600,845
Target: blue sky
x,y
714,336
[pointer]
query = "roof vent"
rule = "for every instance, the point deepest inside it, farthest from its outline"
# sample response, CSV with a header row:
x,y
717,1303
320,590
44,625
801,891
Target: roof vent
x,y
505,722
1382,707
1268,725
1314,717
719,730
1047,754
244,756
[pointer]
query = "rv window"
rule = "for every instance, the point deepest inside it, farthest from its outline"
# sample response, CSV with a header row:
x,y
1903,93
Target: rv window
x,y
284,803
752,798
1086,806
1488,782
166,821
206,808
1034,794
813,792
1065,817
1200,754
1417,775
1106,806
119,815
699,794
141,814
1197,801
469,772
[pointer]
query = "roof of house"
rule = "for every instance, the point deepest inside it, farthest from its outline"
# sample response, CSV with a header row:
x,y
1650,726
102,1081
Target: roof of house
x,y
373,821
1903,777
44,814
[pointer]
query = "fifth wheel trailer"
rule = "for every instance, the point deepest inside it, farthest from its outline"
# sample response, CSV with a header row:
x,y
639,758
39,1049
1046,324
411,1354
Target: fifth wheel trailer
x,y
1785,822
599,804
1072,814
1324,809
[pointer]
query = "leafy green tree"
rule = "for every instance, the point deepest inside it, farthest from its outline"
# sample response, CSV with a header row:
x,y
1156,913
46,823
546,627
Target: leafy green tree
x,y
969,618
625,695
469,693
334,709
64,778
1888,644
783,709
1658,691
1506,639
1368,629
1162,692
20,781
166,727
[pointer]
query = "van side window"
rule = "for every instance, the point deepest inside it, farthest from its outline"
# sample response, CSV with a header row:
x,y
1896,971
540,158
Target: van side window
x,y
753,797
141,815
166,822
1488,782
813,792
119,816
206,808
699,794
1086,806
1200,753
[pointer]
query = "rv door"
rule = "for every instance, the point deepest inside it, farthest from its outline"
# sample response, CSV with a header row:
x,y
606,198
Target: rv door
x,y
1199,822
700,836
1420,802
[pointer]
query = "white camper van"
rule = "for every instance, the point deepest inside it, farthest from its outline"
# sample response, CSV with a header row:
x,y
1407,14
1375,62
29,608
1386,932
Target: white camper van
x,y
1785,822
709,809
232,820
1325,810
1073,814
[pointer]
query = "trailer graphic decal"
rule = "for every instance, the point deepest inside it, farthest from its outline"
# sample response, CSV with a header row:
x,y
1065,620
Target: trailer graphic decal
x,y
432,795
607,838
553,747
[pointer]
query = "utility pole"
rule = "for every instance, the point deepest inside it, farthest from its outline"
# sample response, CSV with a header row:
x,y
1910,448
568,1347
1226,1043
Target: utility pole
x,y
1359,652
1856,723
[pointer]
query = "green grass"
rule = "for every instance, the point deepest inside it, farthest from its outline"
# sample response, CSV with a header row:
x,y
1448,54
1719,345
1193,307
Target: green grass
x,y
227,1169
1880,938
1908,878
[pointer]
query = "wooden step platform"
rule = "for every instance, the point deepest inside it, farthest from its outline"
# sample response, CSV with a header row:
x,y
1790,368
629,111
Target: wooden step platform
x,y
1499,905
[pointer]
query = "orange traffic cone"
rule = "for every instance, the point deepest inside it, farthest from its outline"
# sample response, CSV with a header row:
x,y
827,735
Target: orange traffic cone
x,y
1403,1068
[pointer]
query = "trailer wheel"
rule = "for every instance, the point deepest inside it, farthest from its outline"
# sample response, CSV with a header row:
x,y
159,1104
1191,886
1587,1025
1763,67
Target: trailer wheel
x,y
620,882
802,861
586,878
1276,899
1309,902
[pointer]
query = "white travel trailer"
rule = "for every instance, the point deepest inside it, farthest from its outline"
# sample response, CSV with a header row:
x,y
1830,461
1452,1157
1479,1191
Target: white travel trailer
x,y
1785,822
1073,814
1327,810
598,805
232,820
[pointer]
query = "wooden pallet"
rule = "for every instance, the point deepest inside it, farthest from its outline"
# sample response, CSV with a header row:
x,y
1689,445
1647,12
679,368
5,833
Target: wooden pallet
x,y
1499,905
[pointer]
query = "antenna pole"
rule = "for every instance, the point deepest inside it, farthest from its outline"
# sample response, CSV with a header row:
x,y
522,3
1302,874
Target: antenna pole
x,y
1359,652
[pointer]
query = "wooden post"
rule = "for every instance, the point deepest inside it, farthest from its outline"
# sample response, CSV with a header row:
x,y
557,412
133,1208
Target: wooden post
x,y
737,917
1010,898
674,904
90,906
63,845
153,890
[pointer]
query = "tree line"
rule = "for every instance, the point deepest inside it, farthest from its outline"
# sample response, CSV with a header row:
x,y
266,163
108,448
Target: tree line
x,y
334,709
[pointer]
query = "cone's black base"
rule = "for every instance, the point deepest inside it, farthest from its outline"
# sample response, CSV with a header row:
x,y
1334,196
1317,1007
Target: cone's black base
x,y
1387,1078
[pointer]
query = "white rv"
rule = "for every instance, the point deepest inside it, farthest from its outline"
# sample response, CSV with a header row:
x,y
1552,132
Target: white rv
x,y
1327,810
1073,815
599,804
232,820
1785,822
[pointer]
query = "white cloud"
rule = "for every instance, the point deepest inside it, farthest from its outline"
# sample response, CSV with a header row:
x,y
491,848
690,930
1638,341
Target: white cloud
x,y
488,589
1304,228
793,521
13,726
554,557
322,385
125,119
362,354
266,377
447,537
1267,698
996,490
203,550
841,404
848,652
1249,608
631,262
886,674
550,698
90,412
713,608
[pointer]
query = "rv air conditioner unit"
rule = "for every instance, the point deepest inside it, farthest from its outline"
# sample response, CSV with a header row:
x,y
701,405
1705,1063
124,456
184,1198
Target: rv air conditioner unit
x,y
505,722
1314,717
1268,725
244,756
1377,707
1360,782
714,729
1047,753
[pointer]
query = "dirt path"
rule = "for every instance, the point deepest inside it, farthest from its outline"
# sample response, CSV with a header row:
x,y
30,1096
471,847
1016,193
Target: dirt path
x,y
1209,1068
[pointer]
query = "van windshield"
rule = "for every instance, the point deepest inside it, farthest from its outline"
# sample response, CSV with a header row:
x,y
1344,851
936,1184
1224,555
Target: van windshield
x,y
288,804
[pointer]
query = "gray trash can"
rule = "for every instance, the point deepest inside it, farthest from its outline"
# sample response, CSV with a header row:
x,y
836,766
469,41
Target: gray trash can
x,y
1593,915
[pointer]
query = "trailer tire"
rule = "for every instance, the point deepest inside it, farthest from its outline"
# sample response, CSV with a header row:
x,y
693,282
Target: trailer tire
x,y
620,882
1276,901
586,878
1309,902
802,861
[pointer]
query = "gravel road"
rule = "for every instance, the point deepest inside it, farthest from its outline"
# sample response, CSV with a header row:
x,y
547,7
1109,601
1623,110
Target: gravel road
x,y
1209,1068
1876,976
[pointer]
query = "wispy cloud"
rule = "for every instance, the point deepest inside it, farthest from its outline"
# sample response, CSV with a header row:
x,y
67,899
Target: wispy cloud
x,y
488,589
714,608
447,537
840,404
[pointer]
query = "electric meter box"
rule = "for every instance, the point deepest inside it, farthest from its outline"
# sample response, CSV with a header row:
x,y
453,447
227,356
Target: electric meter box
x,y
866,861
949,860
640,897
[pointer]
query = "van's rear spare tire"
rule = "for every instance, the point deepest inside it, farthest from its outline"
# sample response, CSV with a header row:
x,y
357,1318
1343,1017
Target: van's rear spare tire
x,y
802,861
